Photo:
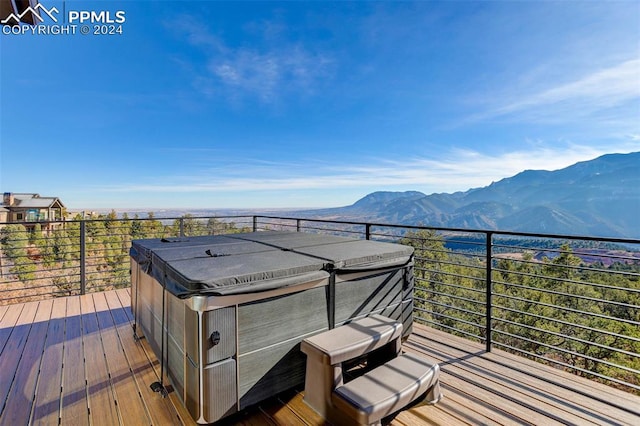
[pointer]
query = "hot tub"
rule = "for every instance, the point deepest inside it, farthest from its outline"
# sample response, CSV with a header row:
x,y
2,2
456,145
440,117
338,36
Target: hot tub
x,y
226,313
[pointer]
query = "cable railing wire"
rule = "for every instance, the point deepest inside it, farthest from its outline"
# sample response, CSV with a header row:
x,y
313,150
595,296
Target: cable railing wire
x,y
57,264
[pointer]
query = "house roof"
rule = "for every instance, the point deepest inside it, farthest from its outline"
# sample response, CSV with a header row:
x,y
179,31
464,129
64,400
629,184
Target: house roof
x,y
25,201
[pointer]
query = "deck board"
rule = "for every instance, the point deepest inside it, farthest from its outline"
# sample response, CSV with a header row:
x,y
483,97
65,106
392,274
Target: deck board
x,y
600,397
296,403
523,381
75,407
76,359
126,392
102,405
7,322
46,404
519,397
13,351
20,398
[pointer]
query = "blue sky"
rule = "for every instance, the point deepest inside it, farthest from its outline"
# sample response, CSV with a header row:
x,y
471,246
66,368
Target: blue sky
x,y
212,104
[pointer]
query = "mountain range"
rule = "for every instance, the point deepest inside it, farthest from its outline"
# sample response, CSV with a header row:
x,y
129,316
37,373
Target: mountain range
x,y
600,197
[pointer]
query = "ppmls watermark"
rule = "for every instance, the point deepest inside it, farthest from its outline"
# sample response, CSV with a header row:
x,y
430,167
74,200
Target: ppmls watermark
x,y
51,21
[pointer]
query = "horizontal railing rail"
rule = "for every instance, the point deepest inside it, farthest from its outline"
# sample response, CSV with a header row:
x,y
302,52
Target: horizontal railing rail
x,y
572,301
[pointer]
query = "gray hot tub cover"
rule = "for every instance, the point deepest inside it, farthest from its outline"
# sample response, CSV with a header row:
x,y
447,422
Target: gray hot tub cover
x,y
259,261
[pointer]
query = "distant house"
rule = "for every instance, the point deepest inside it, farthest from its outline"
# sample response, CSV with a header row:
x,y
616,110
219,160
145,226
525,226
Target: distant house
x,y
29,209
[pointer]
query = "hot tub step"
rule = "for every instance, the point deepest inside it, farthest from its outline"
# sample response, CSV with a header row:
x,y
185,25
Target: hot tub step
x,y
388,388
328,350
353,340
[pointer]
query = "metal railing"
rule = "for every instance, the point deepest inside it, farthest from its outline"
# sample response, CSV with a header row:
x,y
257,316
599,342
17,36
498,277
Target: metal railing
x,y
569,301
80,256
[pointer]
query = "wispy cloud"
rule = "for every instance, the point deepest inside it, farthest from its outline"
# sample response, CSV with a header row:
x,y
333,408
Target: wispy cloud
x,y
599,91
457,170
267,73
273,65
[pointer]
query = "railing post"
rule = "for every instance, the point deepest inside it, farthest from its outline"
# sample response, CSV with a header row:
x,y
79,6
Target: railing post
x,y
181,227
83,257
367,231
255,224
489,293
298,225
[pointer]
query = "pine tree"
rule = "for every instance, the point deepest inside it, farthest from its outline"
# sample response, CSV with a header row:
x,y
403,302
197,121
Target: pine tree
x,y
14,239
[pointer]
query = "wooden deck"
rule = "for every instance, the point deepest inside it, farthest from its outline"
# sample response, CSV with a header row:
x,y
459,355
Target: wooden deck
x,y
73,361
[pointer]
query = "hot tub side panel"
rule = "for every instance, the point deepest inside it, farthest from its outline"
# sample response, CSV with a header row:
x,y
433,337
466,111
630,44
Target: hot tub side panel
x,y
200,347
146,298
387,292
270,332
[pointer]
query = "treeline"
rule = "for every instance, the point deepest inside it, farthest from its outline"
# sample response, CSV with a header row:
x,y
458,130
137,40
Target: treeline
x,y
584,317
37,258
476,244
